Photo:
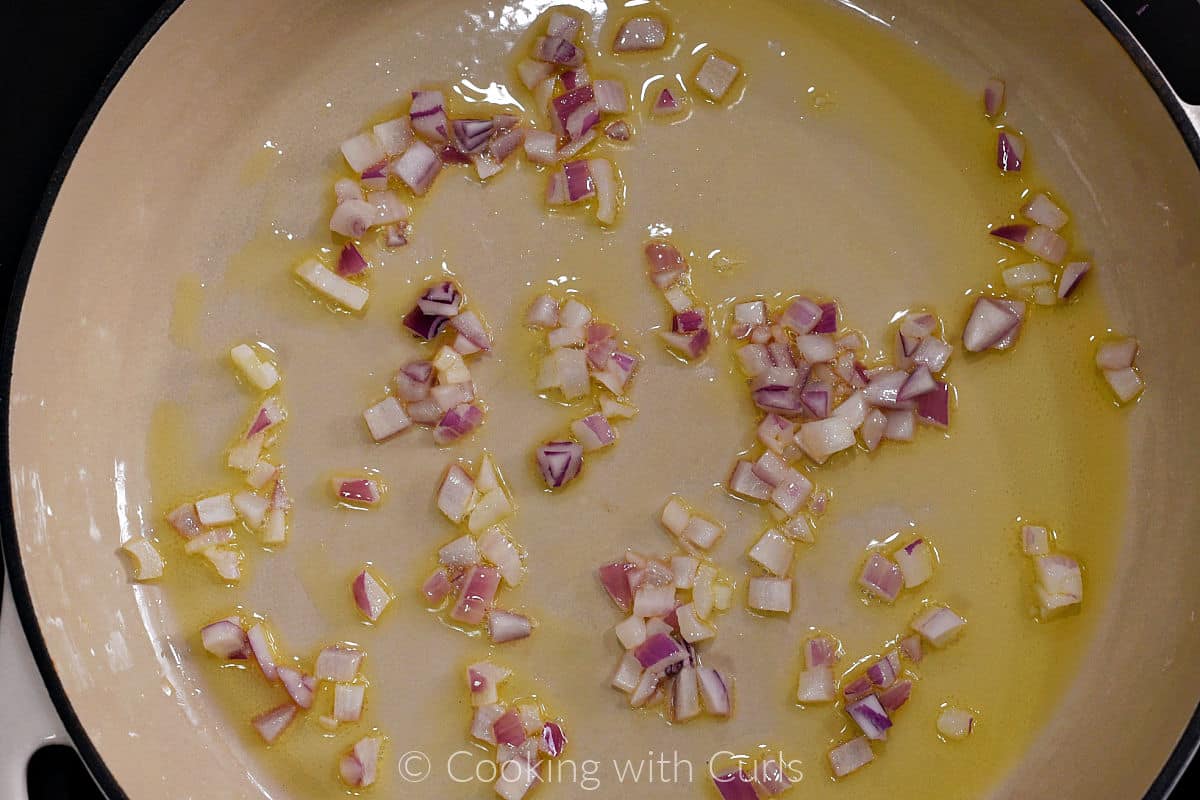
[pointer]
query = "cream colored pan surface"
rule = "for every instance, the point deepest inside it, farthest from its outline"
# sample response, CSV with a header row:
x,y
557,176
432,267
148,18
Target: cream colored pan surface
x,y
205,177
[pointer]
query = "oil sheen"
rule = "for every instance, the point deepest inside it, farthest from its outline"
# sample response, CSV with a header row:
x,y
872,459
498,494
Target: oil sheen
x,y
846,166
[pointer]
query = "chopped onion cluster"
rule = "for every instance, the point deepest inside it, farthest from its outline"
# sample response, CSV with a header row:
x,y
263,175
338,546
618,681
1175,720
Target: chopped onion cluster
x,y
207,524
231,640
909,567
671,602
523,734
574,105
472,567
585,359
691,332
1058,584
1036,230
875,689
437,393
1115,359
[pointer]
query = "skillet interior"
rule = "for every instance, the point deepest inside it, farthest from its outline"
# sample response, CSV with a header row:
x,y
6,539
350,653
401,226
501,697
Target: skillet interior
x,y
78,462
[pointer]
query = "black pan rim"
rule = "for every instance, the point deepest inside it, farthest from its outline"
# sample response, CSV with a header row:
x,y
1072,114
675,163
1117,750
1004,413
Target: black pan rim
x,y
1168,777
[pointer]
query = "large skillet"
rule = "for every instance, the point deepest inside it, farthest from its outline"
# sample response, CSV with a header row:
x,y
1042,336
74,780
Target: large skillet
x,y
81,341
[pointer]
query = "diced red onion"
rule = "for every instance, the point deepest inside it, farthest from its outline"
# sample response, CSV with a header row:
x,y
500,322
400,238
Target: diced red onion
x,y
226,639
375,176
553,740
934,407
357,490
716,75
1042,210
541,147
471,327
816,398
896,696
735,785
338,664
559,462
263,648
714,689
1117,354
299,686
362,152
557,50
858,688
396,235
911,647
472,134
185,521
348,702
615,579
744,483
347,189
394,135
802,316
619,131
271,724
428,115
828,321
352,218
1016,233
505,144
919,383
370,595
604,178
437,587
506,626
358,767
993,97
666,263
458,422
852,755
660,652
665,103
581,122
689,321
771,778
350,260
1046,244
611,97
594,432
870,716
640,34
579,180
543,312
938,625
881,577
990,324
418,167
883,672
440,300
533,72
477,595
820,651
509,729
1010,151
1072,274
566,104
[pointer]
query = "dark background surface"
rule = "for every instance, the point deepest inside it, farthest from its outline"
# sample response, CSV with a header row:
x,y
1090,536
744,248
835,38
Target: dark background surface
x,y
56,56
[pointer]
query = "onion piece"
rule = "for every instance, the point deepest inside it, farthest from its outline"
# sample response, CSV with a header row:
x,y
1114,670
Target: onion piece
x,y
506,626
610,97
735,785
991,323
955,723
364,491
477,595
773,552
1117,354
771,778
640,34
771,594
816,685
614,577
1010,151
716,75
911,647
147,563
346,189
226,639
353,217
881,577
1042,210
271,724
338,664
716,690
456,494
457,423
348,702
619,131
605,181
300,687
262,645
184,520
1046,244
370,595
1072,274
262,374
821,439
216,510
362,151
1126,384
665,104
1016,233
870,717
334,287
386,418
471,327
428,115
993,97
848,757
541,147
915,561
666,264
593,432
358,768
559,462
938,625
744,483
418,167
895,696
